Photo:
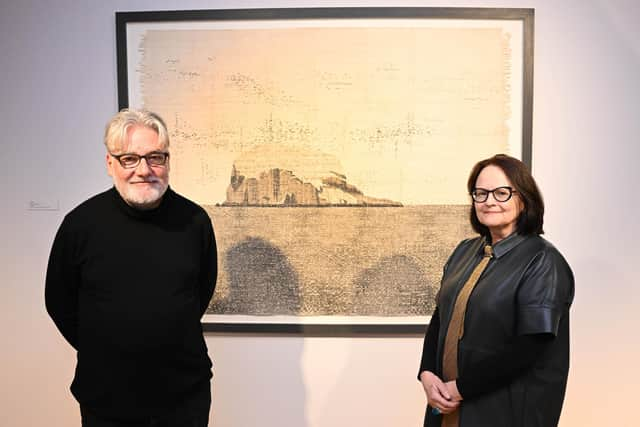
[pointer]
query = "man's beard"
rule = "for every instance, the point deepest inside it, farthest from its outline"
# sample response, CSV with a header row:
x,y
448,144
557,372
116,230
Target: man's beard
x,y
143,200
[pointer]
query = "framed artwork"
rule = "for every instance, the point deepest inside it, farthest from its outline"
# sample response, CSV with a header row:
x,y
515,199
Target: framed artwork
x,y
331,148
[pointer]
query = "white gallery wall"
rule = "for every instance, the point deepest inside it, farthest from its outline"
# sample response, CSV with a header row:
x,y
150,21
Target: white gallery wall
x,y
58,88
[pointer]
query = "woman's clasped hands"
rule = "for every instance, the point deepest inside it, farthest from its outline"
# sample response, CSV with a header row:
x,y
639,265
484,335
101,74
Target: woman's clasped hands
x,y
443,397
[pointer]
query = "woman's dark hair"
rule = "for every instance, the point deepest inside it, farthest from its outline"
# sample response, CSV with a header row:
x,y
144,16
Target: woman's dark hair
x,y
531,218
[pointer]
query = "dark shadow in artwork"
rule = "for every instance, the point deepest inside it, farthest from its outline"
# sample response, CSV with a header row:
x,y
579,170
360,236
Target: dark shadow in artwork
x,y
262,281
395,286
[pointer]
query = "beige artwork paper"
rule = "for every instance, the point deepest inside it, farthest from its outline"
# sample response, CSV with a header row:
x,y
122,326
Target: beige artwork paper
x,y
332,156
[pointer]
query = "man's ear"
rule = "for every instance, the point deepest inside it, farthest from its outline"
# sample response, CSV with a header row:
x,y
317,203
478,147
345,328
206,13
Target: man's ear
x,y
109,162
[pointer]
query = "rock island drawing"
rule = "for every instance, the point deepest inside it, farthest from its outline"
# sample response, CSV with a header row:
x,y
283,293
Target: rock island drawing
x,y
332,161
274,175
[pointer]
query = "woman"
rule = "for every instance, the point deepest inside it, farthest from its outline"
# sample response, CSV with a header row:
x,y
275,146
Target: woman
x,y
496,352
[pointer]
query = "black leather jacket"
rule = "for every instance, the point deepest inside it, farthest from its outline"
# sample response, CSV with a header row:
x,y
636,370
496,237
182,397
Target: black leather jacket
x,y
527,288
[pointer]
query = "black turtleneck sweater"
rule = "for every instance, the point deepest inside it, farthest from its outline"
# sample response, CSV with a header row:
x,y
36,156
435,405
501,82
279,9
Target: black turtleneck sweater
x,y
127,289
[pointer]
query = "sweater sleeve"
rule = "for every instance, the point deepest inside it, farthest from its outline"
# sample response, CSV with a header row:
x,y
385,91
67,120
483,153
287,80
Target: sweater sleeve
x,y
428,362
209,267
500,369
62,285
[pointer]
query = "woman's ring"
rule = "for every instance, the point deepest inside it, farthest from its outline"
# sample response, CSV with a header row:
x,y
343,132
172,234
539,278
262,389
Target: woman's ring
x,y
435,411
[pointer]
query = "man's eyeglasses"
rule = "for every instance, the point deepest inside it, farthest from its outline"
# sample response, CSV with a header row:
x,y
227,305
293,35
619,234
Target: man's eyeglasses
x,y
500,194
130,160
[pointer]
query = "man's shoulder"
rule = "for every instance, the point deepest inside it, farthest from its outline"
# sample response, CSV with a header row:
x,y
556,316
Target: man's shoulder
x,y
191,208
184,203
92,202
86,213
97,201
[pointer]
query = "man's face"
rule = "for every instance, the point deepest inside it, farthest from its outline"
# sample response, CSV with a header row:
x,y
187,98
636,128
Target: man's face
x,y
142,186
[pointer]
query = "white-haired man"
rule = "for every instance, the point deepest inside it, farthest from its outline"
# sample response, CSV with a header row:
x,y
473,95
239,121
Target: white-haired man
x,y
130,274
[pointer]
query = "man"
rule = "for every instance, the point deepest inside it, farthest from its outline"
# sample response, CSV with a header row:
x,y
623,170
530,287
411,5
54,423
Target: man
x,y
130,274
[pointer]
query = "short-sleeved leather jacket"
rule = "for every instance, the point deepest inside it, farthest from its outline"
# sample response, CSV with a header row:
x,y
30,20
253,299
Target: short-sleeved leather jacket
x,y
527,288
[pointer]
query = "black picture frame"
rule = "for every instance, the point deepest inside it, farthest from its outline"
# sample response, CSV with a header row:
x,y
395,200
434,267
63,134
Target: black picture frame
x,y
524,16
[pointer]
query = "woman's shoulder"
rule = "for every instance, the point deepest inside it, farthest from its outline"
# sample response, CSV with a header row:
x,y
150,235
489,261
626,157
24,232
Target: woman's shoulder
x,y
465,249
544,254
541,246
470,243
467,246
547,272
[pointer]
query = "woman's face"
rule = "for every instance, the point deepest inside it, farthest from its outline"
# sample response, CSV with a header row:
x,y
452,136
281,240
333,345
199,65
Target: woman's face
x,y
499,217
